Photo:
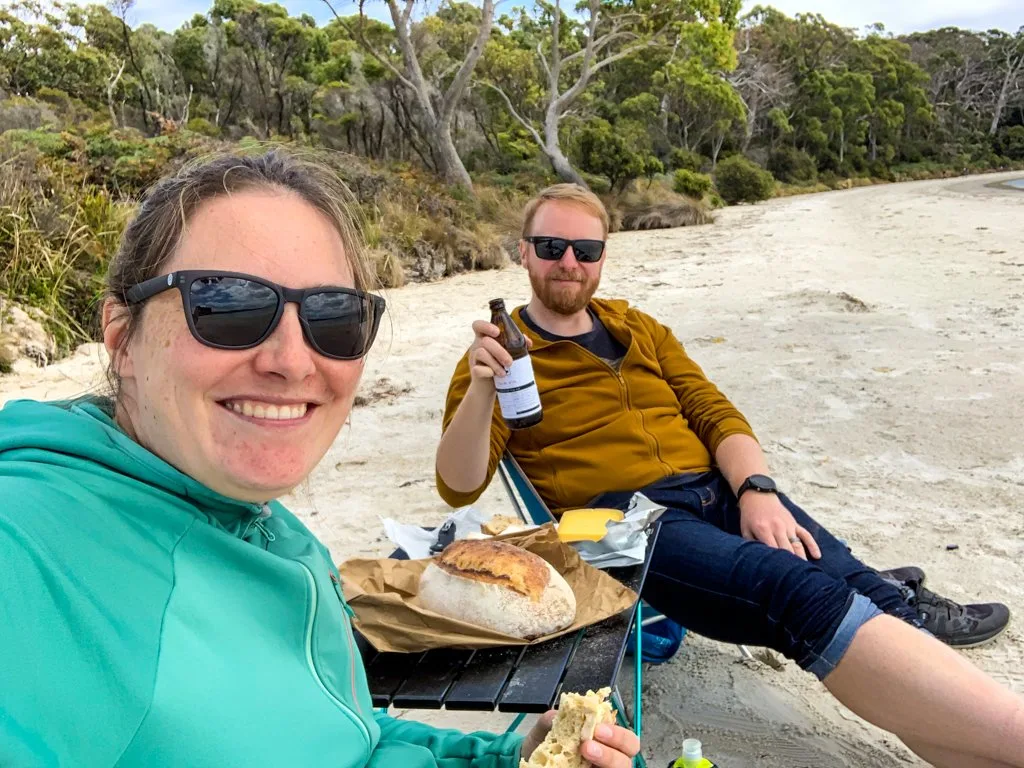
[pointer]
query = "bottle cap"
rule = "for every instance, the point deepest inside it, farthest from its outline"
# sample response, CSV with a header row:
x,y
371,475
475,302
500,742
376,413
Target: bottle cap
x,y
692,749
497,304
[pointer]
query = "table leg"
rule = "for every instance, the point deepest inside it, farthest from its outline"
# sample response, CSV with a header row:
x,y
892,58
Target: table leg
x,y
639,661
515,723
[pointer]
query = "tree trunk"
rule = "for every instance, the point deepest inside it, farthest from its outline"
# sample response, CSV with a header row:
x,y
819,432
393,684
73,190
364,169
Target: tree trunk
x,y
563,167
716,148
111,85
997,114
446,159
748,128
559,162
280,114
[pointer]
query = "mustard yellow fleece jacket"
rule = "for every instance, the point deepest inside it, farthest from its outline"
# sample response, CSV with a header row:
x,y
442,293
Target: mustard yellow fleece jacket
x,y
606,430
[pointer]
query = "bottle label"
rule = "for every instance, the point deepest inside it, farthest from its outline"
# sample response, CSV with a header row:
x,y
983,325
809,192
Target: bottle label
x,y
517,390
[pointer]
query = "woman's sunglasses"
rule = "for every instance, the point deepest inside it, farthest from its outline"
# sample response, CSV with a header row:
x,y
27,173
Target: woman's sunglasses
x,y
554,248
231,310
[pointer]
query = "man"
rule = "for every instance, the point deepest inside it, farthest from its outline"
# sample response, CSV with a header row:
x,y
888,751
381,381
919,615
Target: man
x,y
626,410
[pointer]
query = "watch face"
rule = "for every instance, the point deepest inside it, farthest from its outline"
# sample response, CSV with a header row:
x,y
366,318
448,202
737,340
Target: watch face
x,y
762,483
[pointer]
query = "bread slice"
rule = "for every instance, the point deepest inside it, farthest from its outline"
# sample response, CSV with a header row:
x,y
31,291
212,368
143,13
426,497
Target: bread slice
x,y
498,524
577,719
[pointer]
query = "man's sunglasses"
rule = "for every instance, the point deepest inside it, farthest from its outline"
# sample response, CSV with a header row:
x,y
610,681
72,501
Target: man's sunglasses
x,y
231,310
554,248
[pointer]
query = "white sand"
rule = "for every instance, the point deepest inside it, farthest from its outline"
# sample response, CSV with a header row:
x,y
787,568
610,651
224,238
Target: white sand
x,y
874,338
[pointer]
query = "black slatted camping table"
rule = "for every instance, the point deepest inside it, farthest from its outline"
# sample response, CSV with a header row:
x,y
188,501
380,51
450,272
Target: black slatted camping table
x,y
520,679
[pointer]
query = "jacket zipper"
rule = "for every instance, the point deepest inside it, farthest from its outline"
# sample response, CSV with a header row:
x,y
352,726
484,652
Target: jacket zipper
x,y
260,513
652,443
312,666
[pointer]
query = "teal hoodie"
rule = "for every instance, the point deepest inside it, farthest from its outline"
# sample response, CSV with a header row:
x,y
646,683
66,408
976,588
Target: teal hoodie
x,y
147,621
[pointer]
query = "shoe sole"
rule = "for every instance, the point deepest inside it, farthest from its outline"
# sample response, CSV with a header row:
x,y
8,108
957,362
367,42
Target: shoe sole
x,y
977,643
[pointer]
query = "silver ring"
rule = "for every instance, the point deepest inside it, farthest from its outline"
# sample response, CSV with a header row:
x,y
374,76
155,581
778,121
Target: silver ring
x,y
795,540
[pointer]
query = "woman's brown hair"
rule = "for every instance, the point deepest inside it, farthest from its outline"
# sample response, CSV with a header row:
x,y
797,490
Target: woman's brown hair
x,y
151,237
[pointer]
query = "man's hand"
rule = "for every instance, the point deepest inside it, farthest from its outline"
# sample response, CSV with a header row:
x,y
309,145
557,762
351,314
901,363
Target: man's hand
x,y
487,358
764,518
612,746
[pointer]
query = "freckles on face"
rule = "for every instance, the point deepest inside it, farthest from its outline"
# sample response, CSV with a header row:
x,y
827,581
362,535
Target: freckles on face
x,y
250,423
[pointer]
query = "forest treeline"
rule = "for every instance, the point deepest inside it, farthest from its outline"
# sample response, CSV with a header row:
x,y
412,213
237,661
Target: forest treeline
x,y
446,120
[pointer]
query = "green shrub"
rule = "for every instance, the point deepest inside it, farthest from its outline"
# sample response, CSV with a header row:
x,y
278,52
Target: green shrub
x,y
740,181
104,146
879,169
203,126
131,161
609,151
685,159
1009,142
793,166
58,144
691,184
598,184
55,97
652,168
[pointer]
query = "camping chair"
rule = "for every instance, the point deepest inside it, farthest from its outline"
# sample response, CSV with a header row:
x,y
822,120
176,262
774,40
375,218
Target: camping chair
x,y
660,646
651,645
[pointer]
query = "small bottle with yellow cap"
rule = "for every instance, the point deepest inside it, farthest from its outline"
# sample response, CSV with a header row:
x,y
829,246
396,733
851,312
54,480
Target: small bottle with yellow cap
x,y
693,756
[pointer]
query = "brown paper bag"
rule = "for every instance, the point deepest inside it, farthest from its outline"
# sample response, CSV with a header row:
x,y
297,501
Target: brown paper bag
x,y
382,593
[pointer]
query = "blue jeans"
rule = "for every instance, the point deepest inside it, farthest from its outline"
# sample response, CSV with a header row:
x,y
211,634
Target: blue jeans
x,y
708,578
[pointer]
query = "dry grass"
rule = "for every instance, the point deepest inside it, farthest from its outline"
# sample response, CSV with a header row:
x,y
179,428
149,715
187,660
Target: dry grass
x,y
655,207
666,216
8,353
410,243
387,267
56,235
792,190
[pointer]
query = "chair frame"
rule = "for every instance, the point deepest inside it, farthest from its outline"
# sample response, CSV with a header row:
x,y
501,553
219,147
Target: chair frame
x,y
531,508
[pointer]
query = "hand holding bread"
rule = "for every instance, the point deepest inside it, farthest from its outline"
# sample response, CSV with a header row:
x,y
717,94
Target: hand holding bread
x,y
580,734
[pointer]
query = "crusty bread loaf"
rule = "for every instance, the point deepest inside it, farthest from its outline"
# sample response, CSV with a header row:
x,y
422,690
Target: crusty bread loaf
x,y
577,719
496,585
498,524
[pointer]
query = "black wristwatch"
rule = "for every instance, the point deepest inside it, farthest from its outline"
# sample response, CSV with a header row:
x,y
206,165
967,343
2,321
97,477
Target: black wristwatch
x,y
759,483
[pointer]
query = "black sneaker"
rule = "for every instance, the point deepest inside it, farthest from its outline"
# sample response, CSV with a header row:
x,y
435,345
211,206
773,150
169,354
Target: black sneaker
x,y
910,573
960,626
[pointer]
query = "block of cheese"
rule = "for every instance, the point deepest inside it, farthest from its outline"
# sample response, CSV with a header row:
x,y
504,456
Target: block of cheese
x,y
499,586
578,716
586,524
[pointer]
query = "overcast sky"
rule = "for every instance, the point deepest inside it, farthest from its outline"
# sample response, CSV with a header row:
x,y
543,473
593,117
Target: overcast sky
x,y
898,16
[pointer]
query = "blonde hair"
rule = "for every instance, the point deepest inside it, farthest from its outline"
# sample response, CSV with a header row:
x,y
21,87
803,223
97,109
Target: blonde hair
x,y
570,193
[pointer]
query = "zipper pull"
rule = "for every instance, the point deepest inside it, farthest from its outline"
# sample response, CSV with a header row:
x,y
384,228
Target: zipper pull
x,y
267,534
257,523
341,596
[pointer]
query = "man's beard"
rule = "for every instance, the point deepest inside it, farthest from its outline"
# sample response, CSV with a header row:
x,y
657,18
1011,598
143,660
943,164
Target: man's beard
x,y
562,299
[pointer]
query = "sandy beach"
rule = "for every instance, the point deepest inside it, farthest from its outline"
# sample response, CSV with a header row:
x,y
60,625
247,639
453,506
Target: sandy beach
x,y
875,340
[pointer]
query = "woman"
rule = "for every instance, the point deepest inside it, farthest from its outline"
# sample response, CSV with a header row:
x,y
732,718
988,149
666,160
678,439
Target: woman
x,y
157,606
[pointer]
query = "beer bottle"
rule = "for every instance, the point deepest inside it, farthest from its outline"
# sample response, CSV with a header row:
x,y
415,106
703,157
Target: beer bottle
x,y
517,390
